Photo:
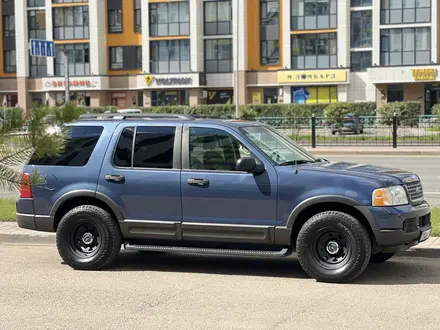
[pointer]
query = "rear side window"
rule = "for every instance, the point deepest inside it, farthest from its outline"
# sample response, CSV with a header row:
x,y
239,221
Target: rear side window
x,y
81,141
153,148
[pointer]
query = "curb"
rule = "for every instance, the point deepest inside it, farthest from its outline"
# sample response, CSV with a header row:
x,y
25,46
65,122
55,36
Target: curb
x,y
386,152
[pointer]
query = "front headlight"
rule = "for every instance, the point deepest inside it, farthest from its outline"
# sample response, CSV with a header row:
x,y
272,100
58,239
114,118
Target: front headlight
x,y
391,196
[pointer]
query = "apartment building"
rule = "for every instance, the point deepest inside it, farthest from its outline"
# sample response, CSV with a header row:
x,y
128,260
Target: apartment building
x,y
162,52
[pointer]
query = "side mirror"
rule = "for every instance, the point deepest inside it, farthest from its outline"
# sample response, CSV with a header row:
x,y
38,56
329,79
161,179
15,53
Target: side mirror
x,y
249,165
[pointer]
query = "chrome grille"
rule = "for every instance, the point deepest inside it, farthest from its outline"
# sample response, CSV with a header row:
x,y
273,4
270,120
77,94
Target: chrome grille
x,y
415,191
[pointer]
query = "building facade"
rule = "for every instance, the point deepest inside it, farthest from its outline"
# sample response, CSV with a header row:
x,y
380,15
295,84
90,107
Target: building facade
x,y
159,52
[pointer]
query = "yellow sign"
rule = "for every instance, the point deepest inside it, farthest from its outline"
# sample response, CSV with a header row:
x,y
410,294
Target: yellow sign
x,y
312,76
256,98
424,74
148,80
211,95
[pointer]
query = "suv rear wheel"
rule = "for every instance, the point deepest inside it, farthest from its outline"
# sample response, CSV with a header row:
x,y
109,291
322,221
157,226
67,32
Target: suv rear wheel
x,y
333,247
88,238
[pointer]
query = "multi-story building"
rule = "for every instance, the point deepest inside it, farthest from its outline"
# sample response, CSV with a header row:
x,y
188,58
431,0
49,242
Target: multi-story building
x,y
160,52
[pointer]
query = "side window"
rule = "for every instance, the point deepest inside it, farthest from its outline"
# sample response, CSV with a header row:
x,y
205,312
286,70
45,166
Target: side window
x,y
80,144
124,149
154,147
213,149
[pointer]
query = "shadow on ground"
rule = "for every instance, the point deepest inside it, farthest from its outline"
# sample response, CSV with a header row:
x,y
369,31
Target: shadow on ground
x,y
397,271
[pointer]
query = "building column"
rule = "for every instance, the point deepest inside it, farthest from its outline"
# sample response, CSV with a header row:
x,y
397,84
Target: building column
x,y
196,34
50,61
98,41
194,96
286,37
239,20
434,33
287,94
145,38
375,33
342,93
147,98
343,42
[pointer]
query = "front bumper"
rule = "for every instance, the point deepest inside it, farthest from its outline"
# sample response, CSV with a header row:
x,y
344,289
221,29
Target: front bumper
x,y
401,227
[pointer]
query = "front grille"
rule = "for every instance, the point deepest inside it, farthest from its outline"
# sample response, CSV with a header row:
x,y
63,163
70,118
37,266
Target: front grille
x,y
415,191
410,225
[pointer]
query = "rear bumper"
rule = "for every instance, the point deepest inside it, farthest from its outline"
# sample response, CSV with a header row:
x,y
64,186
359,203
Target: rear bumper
x,y
35,222
408,225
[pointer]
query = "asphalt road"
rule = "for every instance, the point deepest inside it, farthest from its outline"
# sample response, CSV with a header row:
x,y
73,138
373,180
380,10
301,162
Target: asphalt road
x,y
427,167
37,291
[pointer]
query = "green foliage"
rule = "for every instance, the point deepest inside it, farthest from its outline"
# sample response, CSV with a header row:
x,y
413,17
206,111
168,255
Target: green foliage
x,y
67,113
436,110
407,113
335,112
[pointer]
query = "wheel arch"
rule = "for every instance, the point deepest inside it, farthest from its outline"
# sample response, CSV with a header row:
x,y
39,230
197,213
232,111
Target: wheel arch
x,y
83,197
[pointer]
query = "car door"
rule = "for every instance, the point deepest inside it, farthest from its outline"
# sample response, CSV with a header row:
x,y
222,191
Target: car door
x,y
220,204
141,175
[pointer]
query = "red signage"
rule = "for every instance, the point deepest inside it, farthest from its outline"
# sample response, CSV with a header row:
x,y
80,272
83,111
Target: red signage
x,y
72,83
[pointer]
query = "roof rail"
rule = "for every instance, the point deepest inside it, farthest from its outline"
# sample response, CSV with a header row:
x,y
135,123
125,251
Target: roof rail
x,y
123,116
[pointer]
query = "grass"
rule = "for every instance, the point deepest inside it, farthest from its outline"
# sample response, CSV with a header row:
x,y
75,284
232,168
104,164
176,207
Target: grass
x,y
433,129
7,213
7,210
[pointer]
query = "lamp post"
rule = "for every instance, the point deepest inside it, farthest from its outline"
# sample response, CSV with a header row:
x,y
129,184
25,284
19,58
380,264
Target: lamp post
x,y
237,53
66,76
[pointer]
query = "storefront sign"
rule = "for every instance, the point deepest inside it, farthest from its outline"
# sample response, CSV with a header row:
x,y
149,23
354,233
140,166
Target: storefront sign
x,y
168,81
313,76
256,98
424,74
72,83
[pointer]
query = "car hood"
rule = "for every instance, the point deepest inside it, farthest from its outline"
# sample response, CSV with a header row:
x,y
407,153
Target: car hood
x,y
387,176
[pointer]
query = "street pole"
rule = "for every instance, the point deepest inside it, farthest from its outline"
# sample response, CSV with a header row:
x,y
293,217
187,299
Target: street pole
x,y
66,72
237,67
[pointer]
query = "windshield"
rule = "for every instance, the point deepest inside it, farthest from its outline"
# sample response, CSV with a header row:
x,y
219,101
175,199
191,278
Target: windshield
x,y
280,149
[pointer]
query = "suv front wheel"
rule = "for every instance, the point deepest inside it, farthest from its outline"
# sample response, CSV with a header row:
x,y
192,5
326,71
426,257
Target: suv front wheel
x,y
333,247
88,238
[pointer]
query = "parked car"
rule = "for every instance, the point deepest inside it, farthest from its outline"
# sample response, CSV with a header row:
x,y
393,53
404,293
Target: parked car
x,y
173,183
350,124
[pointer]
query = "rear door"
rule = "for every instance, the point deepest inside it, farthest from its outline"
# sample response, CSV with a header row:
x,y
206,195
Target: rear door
x,y
141,174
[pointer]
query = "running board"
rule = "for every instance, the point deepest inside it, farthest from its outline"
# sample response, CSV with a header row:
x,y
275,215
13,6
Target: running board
x,y
194,250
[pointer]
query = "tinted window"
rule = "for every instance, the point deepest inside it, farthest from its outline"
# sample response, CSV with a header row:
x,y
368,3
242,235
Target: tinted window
x,y
81,141
123,152
154,147
214,149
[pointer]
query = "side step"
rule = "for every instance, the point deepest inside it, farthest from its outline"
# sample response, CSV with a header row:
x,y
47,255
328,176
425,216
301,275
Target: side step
x,y
194,250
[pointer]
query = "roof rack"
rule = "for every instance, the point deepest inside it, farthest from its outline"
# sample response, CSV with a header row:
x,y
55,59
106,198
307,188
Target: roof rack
x,y
122,116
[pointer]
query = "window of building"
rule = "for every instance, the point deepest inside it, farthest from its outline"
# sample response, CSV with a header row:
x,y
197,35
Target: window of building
x,y
81,143
79,59
169,56
218,55
38,66
115,21
361,29
360,61
37,24
269,32
65,1
125,57
37,3
361,3
169,97
395,93
214,150
315,95
313,14
169,18
154,147
8,25
314,51
218,17
10,61
137,16
405,46
71,23
409,11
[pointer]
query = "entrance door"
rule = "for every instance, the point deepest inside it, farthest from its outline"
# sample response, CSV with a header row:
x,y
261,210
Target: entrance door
x,y
219,203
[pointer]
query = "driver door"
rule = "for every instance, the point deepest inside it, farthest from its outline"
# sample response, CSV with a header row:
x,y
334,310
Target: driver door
x,y
219,203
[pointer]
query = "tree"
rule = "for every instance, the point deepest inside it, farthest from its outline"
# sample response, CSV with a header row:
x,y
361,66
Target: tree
x,y
17,149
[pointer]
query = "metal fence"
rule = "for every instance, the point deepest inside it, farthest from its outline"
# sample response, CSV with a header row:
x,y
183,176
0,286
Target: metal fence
x,y
362,131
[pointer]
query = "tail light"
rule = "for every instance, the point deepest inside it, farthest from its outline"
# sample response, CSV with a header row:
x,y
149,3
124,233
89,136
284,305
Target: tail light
x,y
25,186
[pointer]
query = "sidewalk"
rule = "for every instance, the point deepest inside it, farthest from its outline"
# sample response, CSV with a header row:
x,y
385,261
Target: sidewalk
x,y
10,233
374,150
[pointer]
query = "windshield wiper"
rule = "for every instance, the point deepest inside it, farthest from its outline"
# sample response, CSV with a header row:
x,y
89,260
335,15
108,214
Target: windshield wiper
x,y
295,162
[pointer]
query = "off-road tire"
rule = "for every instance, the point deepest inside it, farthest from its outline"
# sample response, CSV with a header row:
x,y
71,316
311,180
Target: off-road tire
x,y
355,238
381,257
108,232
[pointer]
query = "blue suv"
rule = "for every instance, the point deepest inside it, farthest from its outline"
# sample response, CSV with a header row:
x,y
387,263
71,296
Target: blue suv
x,y
176,183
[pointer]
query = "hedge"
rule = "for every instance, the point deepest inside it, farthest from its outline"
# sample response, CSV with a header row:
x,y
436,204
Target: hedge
x,y
407,112
436,110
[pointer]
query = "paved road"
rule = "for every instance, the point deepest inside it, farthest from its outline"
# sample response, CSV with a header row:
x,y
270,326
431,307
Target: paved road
x,y
427,167
187,292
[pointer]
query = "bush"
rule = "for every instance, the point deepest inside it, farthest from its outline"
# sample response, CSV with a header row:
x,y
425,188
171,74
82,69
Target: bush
x,y
407,113
436,110
335,112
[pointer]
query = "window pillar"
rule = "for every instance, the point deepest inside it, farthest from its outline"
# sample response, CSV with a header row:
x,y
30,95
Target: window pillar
x,y
343,35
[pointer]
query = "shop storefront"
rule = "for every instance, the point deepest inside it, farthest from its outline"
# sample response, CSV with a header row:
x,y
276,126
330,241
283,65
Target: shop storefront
x,y
169,97
315,94
220,96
